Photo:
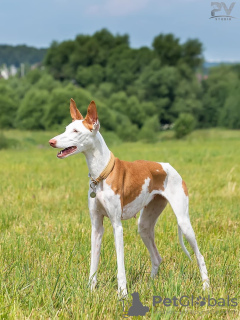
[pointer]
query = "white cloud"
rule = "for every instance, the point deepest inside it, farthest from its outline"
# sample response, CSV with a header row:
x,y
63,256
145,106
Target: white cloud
x,y
118,7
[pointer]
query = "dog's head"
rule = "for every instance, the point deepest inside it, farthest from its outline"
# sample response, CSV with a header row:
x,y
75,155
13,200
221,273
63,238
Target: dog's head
x,y
79,135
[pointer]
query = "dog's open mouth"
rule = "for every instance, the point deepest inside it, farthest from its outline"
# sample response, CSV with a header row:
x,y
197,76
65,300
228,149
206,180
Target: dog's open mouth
x,y
65,152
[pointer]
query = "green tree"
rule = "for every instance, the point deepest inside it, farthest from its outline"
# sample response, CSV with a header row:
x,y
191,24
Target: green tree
x,y
167,48
8,105
104,90
217,87
34,76
7,112
184,125
150,129
125,129
47,82
134,111
90,75
31,111
192,53
58,57
230,114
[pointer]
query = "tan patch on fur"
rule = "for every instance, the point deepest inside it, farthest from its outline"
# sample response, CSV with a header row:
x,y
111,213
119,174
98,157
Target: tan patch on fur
x,y
92,117
127,178
75,113
87,125
184,186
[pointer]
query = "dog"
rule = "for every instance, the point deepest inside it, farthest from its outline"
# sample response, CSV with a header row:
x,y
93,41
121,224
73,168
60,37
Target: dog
x,y
120,189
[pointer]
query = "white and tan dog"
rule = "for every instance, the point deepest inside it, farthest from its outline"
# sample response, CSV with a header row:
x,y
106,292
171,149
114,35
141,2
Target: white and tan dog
x,y
120,189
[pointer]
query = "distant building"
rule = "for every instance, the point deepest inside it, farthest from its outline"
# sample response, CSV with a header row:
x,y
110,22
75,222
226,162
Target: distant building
x,y
6,72
13,70
201,77
36,65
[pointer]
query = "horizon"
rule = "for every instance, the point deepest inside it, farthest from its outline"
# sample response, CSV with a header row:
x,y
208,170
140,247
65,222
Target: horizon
x,y
45,48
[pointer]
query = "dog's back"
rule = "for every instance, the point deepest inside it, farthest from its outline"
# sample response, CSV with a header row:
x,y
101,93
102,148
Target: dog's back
x,y
128,178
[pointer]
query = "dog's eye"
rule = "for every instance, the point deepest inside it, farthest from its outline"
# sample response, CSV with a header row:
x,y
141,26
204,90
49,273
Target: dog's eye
x,y
74,130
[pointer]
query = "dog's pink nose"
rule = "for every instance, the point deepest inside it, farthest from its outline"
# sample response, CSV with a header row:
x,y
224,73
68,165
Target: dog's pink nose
x,y
52,143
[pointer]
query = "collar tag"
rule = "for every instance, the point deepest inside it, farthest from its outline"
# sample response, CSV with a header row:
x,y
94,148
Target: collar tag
x,y
93,187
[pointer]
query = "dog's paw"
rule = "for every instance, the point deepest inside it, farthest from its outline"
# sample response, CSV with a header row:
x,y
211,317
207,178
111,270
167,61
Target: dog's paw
x,y
92,283
154,272
122,292
206,284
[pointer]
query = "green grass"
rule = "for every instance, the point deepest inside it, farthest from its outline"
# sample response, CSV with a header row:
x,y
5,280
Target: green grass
x,y
45,232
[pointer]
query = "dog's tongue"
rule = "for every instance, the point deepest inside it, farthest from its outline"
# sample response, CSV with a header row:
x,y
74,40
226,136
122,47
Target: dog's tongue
x,y
65,152
61,153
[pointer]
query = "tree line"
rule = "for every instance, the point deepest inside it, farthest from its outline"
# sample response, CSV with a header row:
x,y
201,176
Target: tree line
x,y
136,90
15,55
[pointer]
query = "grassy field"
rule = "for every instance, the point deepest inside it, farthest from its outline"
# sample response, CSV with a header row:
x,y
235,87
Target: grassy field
x,y
45,232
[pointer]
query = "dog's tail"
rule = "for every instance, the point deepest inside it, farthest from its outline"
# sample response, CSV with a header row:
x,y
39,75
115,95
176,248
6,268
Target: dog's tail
x,y
180,236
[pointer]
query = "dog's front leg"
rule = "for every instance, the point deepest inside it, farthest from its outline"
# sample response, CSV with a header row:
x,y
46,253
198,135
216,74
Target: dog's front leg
x,y
96,239
121,276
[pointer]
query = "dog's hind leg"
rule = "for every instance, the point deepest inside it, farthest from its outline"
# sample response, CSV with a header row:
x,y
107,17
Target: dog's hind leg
x,y
177,195
146,223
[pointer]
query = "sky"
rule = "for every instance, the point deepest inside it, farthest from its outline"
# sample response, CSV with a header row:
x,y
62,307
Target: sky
x,y
39,22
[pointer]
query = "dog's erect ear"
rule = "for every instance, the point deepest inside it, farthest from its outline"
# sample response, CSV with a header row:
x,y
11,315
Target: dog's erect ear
x,y
75,113
92,117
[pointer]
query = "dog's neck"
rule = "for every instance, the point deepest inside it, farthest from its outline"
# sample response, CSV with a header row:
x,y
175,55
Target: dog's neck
x,y
97,157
